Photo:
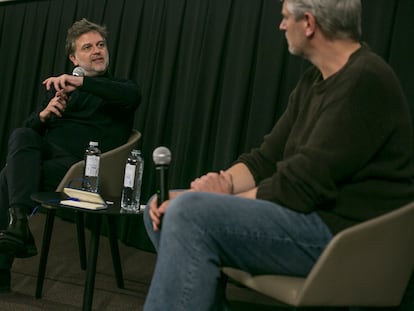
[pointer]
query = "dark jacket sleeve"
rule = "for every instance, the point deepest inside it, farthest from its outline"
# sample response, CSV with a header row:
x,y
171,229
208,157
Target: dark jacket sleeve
x,y
122,94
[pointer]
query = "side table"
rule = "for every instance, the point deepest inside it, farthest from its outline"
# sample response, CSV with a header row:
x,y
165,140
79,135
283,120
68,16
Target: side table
x,y
51,202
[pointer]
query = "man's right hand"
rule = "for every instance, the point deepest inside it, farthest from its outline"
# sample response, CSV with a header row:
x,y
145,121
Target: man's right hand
x,y
214,182
56,106
156,212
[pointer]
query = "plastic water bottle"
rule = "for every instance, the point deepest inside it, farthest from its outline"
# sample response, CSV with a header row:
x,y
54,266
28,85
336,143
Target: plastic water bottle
x,y
90,179
131,192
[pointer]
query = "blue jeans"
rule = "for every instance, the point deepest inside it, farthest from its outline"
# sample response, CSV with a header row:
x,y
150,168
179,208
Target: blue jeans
x,y
202,232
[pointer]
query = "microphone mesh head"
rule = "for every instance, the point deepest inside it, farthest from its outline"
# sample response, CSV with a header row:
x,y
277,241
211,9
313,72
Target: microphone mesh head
x,y
161,156
78,71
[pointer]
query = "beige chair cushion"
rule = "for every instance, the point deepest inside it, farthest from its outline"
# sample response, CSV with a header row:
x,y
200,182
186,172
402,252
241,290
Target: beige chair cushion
x,y
368,264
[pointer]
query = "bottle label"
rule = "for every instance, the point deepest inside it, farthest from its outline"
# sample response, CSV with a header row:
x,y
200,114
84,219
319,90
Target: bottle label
x,y
129,177
92,166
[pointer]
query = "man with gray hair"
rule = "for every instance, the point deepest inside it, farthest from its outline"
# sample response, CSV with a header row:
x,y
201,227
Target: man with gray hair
x,y
93,106
341,153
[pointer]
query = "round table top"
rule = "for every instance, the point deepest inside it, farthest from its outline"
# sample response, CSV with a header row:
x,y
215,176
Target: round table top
x,y
53,199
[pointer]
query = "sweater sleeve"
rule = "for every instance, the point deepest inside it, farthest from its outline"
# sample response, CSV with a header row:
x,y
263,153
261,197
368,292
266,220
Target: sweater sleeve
x,y
262,161
124,94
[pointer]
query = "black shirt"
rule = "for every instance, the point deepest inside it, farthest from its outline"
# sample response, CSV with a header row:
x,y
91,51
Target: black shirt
x,y
101,110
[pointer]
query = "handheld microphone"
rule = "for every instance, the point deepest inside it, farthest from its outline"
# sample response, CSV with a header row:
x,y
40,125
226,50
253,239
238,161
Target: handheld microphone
x,y
162,158
78,72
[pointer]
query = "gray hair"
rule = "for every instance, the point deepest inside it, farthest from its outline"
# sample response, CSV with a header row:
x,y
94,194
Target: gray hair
x,y
338,19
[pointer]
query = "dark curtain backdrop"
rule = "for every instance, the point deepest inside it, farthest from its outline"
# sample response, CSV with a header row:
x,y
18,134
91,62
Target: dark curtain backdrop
x,y
215,74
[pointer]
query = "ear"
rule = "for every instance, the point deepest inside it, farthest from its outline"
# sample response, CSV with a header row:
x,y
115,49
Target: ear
x,y
73,60
310,24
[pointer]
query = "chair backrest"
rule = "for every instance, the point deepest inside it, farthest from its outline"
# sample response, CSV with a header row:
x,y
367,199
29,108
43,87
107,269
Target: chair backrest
x,y
365,265
111,171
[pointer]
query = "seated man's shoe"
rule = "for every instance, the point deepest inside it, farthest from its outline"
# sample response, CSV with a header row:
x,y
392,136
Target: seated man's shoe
x,y
29,250
16,246
5,280
17,240
10,243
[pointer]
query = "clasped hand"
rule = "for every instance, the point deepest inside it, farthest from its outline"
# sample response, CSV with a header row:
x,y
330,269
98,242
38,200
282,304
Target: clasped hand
x,y
56,106
66,83
63,84
211,182
214,182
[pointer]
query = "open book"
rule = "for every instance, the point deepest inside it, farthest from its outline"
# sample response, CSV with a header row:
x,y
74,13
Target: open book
x,y
83,199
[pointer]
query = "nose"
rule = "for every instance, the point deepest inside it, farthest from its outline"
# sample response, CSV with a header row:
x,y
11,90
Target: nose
x,y
282,25
95,50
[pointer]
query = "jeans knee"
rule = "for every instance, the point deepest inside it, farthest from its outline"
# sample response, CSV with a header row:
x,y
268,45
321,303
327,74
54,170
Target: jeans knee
x,y
187,209
183,202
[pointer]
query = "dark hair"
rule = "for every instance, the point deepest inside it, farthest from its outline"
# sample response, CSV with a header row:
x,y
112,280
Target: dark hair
x,y
79,28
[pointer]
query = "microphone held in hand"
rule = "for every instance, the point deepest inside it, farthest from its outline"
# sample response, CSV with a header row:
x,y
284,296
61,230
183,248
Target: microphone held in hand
x,y
78,72
162,158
